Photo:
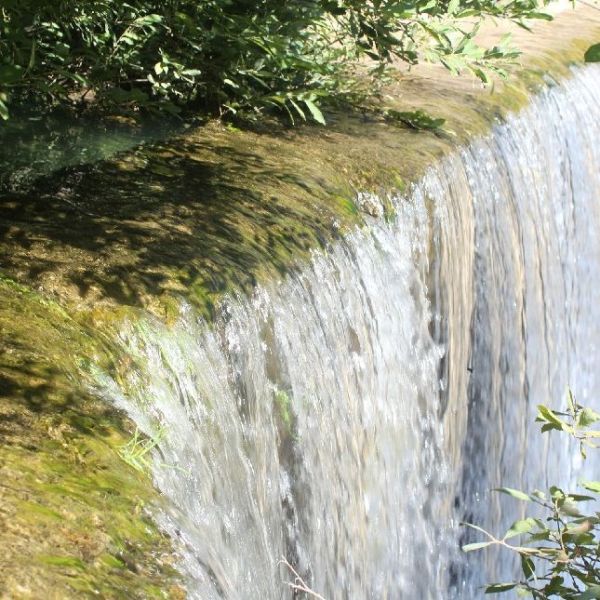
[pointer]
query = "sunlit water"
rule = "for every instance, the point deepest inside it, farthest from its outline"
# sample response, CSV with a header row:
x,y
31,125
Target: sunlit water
x,y
350,416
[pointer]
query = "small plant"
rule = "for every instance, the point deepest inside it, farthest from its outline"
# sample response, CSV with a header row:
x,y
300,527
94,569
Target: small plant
x,y
576,422
136,452
284,407
592,54
418,119
237,59
559,551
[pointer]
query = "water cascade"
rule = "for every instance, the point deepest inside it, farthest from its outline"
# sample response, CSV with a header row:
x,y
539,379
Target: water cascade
x,y
348,417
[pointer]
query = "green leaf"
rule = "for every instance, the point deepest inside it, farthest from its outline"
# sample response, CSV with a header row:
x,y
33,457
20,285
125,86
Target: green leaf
x,y
298,109
542,535
528,567
540,15
476,546
482,76
453,6
317,115
539,494
144,20
549,427
592,54
591,593
4,114
520,527
514,493
545,414
593,486
555,586
580,497
497,588
587,417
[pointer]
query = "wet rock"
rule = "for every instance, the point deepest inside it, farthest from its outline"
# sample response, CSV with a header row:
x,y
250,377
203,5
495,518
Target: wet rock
x,y
370,204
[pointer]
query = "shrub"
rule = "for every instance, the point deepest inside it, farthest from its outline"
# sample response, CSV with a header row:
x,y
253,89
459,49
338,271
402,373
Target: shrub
x,y
228,57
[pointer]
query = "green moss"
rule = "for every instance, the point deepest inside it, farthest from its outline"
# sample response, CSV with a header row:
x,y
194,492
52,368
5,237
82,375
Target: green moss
x,y
207,213
76,519
61,561
283,407
214,211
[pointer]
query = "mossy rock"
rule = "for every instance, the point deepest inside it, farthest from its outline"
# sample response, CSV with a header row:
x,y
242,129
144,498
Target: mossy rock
x,y
216,210
75,519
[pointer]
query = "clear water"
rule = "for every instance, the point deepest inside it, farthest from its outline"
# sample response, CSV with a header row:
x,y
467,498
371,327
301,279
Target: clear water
x,y
33,145
350,416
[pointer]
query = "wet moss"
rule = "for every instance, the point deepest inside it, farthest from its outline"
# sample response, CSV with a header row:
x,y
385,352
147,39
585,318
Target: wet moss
x,y
283,409
75,520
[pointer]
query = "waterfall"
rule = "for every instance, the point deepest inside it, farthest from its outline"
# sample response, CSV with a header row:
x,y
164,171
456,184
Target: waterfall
x,y
348,417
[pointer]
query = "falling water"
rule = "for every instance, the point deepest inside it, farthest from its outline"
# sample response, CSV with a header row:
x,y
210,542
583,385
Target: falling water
x,y
348,417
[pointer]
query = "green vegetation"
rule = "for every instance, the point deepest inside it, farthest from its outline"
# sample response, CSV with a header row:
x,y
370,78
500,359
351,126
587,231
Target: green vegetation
x,y
283,404
237,208
234,208
559,545
76,519
137,451
593,53
417,119
236,57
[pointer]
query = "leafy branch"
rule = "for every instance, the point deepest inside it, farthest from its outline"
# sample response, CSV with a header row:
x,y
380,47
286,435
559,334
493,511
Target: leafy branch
x,y
235,59
560,552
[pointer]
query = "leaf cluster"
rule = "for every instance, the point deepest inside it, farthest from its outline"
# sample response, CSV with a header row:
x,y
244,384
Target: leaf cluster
x,y
236,57
576,421
559,551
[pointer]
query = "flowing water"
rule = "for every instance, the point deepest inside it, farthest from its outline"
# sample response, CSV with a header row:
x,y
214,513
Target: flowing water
x,y
348,417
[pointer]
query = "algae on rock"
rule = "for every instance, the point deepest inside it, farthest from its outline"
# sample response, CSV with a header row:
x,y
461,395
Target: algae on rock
x,y
75,519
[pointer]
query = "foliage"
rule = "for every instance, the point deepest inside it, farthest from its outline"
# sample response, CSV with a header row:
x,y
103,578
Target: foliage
x,y
137,451
236,57
592,54
560,551
415,119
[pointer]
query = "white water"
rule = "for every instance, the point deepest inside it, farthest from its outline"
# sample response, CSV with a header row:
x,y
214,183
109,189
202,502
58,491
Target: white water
x,y
348,417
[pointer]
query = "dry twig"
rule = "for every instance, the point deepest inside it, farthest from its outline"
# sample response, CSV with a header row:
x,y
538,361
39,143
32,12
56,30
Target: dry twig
x,y
299,583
